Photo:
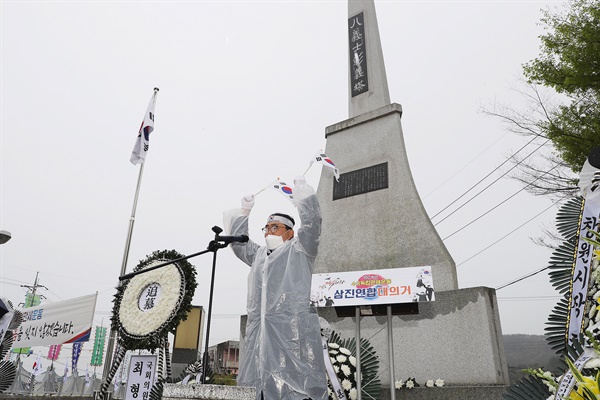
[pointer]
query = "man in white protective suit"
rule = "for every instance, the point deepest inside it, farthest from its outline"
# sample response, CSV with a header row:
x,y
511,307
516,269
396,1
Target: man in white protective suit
x,y
282,353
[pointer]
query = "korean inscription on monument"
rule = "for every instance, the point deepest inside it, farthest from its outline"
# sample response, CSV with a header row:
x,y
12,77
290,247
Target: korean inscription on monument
x,y
361,181
358,55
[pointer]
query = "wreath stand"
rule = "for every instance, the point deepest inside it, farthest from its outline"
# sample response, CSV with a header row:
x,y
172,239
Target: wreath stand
x,y
371,311
219,242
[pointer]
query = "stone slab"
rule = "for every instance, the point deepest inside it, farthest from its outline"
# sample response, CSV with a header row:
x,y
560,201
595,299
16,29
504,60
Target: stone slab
x,y
448,393
208,392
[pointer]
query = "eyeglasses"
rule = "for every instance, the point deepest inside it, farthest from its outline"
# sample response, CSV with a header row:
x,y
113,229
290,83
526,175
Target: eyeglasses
x,y
273,228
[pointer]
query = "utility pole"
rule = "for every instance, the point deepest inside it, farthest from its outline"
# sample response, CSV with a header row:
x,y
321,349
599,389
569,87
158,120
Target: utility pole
x,y
30,302
33,290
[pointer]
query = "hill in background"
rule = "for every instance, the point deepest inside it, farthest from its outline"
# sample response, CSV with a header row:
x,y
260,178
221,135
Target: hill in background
x,y
528,351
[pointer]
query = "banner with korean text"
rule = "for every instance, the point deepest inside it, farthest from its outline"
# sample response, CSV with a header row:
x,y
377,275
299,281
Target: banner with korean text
x,y
62,322
382,286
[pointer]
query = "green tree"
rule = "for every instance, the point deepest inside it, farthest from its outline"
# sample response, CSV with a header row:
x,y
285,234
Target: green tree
x,y
569,63
563,100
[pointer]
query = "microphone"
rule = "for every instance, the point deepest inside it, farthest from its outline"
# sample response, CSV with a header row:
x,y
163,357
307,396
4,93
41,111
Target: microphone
x,y
232,239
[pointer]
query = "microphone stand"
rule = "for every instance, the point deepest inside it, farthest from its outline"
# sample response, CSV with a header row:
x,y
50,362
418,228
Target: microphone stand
x,y
219,242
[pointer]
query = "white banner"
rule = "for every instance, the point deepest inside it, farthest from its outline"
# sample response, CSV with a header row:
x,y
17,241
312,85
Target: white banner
x,y
568,380
582,266
382,286
141,377
56,323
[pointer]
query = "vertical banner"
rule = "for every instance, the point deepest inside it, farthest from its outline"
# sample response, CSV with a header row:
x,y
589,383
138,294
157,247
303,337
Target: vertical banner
x,y
141,377
75,355
54,352
98,351
582,267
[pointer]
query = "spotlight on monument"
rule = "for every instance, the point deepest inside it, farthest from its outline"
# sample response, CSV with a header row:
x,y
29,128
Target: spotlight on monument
x,y
4,236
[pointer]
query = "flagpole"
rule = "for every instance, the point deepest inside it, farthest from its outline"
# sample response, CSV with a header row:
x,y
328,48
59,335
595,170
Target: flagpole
x,y
263,189
113,333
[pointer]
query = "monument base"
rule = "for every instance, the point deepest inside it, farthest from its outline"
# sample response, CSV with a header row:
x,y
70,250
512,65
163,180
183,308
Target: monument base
x,y
216,392
456,338
207,392
448,393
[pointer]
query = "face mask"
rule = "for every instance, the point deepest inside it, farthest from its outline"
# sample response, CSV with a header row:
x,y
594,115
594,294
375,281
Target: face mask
x,y
273,241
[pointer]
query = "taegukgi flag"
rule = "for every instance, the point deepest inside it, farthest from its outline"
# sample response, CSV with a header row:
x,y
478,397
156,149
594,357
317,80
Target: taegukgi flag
x,y
142,143
37,365
322,158
284,189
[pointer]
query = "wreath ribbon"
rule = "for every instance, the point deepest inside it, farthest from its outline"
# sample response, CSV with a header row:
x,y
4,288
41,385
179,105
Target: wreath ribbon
x,y
568,380
335,382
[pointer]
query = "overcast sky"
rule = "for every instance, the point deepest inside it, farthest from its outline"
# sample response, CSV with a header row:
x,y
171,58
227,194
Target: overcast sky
x,y
246,91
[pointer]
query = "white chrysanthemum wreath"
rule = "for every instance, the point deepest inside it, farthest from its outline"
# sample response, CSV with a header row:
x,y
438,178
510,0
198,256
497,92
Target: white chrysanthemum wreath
x,y
343,362
152,304
169,283
344,365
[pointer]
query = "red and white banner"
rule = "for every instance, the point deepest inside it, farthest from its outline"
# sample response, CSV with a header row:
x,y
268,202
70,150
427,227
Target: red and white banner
x,y
62,322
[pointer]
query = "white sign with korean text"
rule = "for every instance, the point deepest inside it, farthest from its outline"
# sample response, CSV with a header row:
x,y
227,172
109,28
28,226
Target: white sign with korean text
x,y
61,322
382,286
140,377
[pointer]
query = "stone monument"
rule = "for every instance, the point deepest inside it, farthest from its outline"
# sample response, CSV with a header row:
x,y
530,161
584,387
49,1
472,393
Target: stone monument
x,y
373,218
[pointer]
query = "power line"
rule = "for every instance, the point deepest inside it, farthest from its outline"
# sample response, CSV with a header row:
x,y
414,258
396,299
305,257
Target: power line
x,y
485,177
509,233
521,278
487,187
499,204
465,166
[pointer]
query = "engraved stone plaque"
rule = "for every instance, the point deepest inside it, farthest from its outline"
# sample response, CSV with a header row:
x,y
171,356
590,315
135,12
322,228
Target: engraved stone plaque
x,y
361,181
358,55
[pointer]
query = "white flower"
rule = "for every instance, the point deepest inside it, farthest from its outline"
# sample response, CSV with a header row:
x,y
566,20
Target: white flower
x,y
341,359
345,351
398,384
593,363
346,370
429,383
334,345
410,384
346,384
143,322
332,360
353,394
439,382
548,375
352,360
336,369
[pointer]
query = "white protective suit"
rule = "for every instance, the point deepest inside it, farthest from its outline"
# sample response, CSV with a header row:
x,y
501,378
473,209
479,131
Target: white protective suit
x,y
282,353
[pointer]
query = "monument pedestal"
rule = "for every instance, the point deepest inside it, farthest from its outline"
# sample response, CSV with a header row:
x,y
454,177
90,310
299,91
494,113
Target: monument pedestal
x,y
448,393
207,392
456,338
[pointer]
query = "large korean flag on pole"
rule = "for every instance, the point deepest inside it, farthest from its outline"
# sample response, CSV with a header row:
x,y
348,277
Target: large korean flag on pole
x,y
142,143
62,322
